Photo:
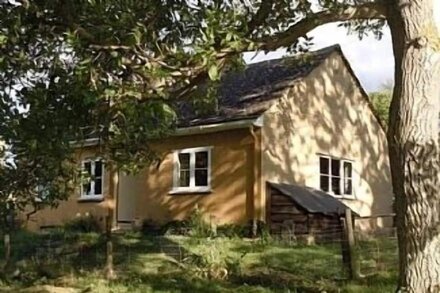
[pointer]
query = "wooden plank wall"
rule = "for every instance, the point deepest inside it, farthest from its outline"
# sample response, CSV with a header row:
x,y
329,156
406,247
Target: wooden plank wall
x,y
285,216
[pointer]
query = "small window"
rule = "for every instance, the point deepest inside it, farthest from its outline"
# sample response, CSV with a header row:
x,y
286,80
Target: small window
x,y
92,179
348,179
42,193
336,176
192,170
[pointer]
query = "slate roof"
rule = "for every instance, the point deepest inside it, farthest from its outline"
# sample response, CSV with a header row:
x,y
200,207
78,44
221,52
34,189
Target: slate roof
x,y
247,94
312,200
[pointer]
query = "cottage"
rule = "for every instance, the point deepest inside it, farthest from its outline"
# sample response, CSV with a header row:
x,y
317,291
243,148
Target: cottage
x,y
300,121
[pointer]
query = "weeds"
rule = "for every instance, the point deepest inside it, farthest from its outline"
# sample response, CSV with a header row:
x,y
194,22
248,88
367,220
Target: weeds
x,y
85,224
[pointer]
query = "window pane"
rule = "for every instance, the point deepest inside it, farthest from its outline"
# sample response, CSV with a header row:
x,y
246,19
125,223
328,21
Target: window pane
x,y
98,169
88,167
184,178
324,165
201,177
324,184
348,189
347,169
86,189
336,185
202,160
98,186
336,166
184,161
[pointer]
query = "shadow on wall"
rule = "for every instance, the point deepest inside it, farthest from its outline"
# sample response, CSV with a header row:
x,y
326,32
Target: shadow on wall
x,y
326,113
229,200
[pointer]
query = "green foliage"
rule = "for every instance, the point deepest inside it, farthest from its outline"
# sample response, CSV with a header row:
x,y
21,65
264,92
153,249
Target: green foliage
x,y
176,228
84,224
232,230
381,104
72,259
213,261
151,227
198,225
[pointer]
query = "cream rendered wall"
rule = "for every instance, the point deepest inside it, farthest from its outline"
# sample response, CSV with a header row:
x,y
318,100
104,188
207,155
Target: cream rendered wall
x,y
326,113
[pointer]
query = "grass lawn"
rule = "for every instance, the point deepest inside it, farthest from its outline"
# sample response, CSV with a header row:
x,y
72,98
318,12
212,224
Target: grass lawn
x,y
184,264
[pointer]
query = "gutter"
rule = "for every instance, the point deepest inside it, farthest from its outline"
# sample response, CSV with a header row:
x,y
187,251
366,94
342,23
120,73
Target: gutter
x,y
209,128
85,143
192,130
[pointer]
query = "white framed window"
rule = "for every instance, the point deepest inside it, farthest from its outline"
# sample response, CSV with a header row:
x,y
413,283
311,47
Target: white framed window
x,y
92,183
336,176
42,193
192,170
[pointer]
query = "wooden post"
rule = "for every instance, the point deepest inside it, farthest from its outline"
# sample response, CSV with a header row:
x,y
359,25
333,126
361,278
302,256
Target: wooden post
x,y
110,220
7,246
353,261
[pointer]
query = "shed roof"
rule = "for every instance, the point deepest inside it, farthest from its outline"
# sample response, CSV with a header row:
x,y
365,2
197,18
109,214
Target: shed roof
x,y
312,200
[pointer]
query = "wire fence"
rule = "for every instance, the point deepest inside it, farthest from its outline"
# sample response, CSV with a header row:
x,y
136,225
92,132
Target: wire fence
x,y
376,249
372,251
318,249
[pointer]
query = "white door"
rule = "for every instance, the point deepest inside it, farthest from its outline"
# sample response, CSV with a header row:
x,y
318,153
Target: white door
x,y
129,187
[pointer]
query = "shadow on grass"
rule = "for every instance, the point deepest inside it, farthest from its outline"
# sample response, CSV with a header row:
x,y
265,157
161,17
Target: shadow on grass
x,y
149,264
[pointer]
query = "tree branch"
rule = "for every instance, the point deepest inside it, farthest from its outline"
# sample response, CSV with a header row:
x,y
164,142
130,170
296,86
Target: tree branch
x,y
371,10
261,15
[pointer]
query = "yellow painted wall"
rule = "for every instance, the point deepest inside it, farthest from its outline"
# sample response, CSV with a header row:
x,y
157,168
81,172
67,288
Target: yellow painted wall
x,y
72,207
231,180
231,199
325,113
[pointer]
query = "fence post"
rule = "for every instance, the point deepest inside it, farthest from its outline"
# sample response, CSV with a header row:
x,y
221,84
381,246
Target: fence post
x,y
354,266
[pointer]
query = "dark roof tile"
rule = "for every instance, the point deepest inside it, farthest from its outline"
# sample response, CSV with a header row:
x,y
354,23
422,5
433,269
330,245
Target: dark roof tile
x,y
312,200
248,93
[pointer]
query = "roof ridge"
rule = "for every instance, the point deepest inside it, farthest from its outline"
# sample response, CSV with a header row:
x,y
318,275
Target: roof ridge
x,y
251,90
321,51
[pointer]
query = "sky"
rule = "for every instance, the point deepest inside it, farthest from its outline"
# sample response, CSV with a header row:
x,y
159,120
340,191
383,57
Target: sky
x,y
371,59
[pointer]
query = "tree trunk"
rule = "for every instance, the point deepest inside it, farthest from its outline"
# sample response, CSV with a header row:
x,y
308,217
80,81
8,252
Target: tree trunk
x,y
413,143
111,200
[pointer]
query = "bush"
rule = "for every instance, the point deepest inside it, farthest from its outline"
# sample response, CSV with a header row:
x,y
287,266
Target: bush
x,y
84,224
151,227
232,230
199,228
175,228
213,261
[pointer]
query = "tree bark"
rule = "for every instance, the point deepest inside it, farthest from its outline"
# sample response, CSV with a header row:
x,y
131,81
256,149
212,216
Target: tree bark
x,y
413,143
110,219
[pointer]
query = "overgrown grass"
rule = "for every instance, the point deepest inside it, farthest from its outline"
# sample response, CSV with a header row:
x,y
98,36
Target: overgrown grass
x,y
177,264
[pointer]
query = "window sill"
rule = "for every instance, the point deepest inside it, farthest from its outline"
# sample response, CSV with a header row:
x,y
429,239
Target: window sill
x,y
91,199
189,191
347,197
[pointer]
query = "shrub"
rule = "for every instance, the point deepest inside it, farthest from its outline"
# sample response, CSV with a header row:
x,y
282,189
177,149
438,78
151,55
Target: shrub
x,y
232,230
151,227
213,261
85,224
199,228
175,228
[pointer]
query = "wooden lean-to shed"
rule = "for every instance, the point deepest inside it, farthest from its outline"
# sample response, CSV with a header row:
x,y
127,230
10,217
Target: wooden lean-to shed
x,y
301,211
